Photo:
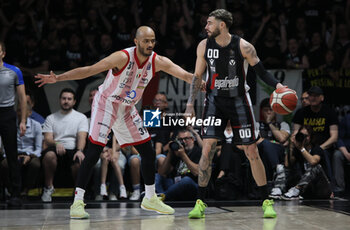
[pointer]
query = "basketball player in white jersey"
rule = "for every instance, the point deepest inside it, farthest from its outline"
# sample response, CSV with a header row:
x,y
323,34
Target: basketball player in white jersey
x,y
129,72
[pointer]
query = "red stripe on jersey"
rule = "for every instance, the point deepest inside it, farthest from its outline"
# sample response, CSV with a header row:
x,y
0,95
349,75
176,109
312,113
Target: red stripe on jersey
x,y
96,142
153,65
119,72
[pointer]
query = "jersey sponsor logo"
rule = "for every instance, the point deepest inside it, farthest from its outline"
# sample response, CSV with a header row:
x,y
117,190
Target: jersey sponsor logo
x,y
149,66
215,75
232,62
131,94
122,99
226,83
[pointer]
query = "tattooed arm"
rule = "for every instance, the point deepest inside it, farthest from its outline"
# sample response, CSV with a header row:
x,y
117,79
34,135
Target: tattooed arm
x,y
249,53
197,79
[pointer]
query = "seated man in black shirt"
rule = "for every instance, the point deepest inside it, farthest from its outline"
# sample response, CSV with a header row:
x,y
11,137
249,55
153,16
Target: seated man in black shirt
x,y
181,164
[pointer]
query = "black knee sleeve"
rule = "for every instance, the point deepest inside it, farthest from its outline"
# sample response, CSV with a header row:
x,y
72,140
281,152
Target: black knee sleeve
x,y
148,157
92,155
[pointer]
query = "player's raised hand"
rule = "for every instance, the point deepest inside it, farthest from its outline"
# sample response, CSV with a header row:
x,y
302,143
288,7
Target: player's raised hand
x,y
46,78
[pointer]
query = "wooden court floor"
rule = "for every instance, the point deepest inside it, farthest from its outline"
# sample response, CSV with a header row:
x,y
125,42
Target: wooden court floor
x,y
120,215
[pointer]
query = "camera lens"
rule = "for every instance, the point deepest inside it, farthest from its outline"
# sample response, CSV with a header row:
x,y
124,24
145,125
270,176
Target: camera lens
x,y
174,146
299,137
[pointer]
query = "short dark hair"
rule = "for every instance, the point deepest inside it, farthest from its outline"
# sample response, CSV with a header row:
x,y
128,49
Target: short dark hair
x,y
265,103
67,90
223,15
95,88
2,44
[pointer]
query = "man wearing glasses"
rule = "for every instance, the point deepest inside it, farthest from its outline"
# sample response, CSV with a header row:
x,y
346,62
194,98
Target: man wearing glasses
x,y
182,166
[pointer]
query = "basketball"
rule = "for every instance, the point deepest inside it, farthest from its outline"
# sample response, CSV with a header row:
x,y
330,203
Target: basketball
x,y
283,101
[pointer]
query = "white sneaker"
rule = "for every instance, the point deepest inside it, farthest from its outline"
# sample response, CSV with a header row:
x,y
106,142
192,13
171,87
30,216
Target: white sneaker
x,y
103,190
122,193
112,197
276,193
292,194
47,194
135,195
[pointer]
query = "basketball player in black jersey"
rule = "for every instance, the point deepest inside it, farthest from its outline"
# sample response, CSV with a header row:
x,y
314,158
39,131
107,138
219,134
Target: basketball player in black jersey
x,y
225,57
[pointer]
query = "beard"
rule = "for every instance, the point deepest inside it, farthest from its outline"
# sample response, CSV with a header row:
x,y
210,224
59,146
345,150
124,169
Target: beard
x,y
143,51
215,33
66,107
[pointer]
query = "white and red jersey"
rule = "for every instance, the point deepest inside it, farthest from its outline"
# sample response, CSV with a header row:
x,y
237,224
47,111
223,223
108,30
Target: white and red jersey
x,y
127,85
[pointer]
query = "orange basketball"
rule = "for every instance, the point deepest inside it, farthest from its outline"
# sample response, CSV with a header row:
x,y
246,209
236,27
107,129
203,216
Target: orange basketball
x,y
283,101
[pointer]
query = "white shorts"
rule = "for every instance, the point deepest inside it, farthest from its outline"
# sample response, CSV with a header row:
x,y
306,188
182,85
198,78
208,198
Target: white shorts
x,y
125,122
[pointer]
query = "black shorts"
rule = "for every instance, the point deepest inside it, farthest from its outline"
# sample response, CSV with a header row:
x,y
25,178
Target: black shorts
x,y
66,159
238,110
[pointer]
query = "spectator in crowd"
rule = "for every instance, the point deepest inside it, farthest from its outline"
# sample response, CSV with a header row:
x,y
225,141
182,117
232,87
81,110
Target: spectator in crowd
x,y
304,99
65,133
271,51
295,58
32,60
92,93
322,119
11,81
33,115
228,184
160,135
301,32
111,154
314,182
342,155
29,150
317,50
342,42
75,54
181,165
273,138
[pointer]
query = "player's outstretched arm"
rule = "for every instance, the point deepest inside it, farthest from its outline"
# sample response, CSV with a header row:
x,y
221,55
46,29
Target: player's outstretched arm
x,y
249,53
166,65
116,60
196,84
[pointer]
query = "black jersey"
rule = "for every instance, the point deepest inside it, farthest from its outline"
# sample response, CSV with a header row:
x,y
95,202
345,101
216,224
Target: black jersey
x,y
226,68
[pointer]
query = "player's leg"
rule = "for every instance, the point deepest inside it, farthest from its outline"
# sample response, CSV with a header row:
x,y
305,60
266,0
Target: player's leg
x,y
205,168
101,119
245,136
131,132
210,136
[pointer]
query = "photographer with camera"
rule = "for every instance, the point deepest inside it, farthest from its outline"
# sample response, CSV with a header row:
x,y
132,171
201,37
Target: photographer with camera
x,y
181,165
314,182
